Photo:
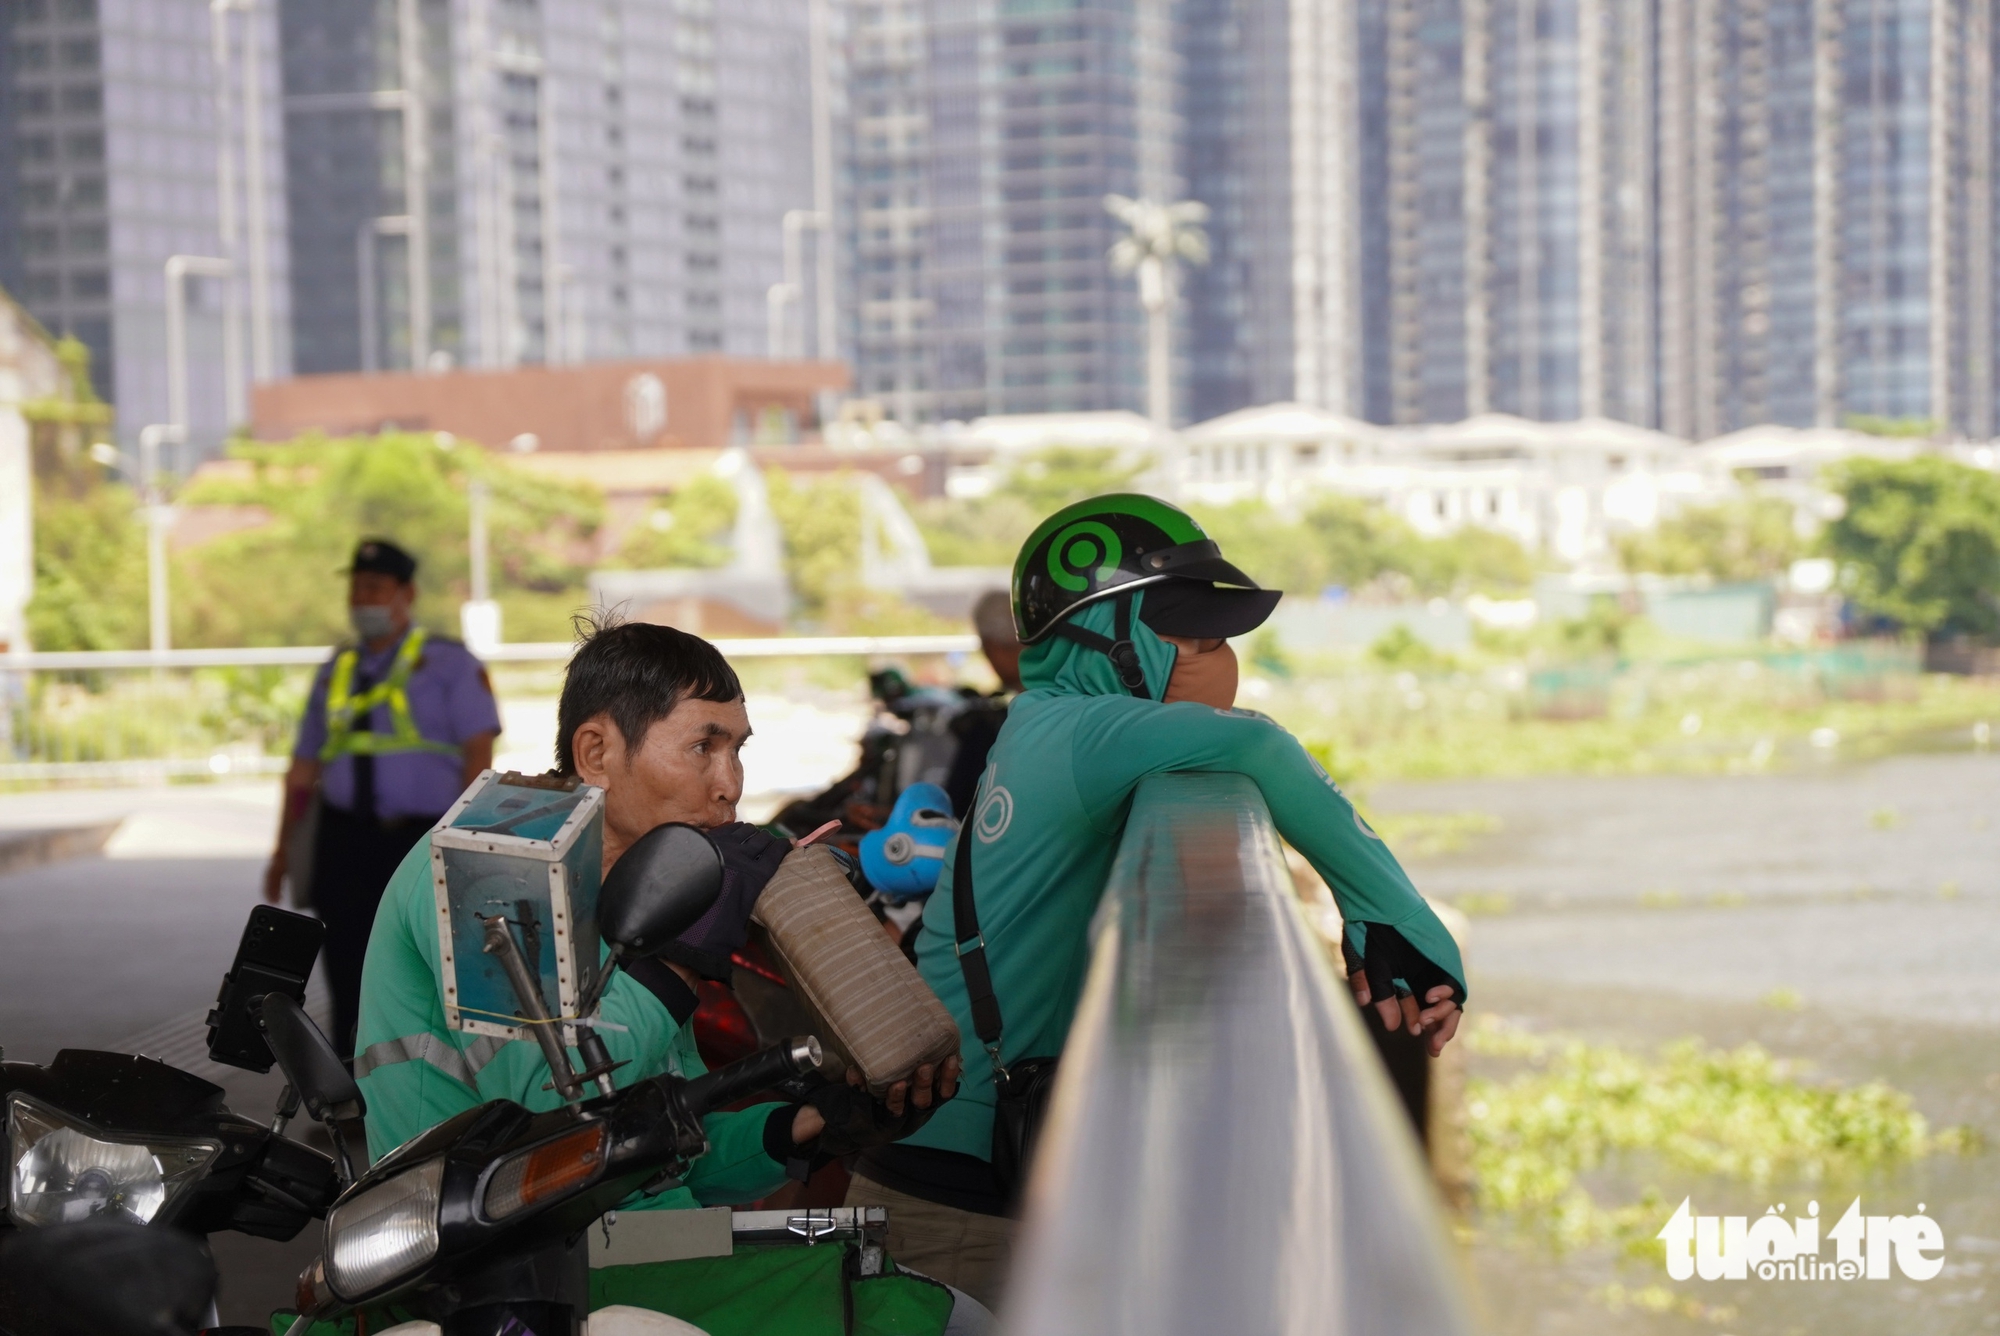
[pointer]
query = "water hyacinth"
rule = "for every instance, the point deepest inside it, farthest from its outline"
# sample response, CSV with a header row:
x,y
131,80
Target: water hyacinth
x,y
1739,1114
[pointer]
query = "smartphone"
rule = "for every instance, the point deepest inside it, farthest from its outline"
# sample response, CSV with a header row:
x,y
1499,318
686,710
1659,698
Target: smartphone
x,y
276,955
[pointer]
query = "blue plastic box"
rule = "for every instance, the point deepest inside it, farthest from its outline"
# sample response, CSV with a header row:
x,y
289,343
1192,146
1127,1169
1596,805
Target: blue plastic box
x,y
530,847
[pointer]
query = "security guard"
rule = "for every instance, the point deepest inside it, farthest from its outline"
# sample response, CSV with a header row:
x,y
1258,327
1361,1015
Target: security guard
x,y
397,725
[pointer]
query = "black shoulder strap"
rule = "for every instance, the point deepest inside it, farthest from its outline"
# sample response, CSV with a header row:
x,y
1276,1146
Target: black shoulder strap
x,y
970,945
1120,650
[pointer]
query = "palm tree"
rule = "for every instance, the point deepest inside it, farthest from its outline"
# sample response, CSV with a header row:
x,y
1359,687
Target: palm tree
x,y
1156,236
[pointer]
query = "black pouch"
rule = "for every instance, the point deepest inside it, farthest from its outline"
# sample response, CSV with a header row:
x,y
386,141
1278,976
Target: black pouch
x,y
1020,1109
1022,1087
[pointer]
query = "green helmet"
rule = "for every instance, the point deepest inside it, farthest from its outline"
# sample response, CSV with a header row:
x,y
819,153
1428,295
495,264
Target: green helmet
x,y
1107,545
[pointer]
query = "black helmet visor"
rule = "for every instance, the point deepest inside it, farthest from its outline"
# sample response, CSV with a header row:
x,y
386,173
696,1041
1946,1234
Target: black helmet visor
x,y
1199,610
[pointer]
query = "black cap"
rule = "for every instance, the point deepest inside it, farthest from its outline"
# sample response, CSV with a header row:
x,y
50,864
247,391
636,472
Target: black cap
x,y
1202,610
383,557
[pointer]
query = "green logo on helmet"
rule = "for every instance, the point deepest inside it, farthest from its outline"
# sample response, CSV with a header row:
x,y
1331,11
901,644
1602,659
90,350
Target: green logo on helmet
x,y
1081,546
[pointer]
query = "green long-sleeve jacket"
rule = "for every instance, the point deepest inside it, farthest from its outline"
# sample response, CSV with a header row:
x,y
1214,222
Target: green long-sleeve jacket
x,y
1047,818
415,1073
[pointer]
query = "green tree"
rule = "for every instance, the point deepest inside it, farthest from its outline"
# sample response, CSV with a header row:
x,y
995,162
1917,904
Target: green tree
x,y
691,529
820,518
1361,540
1891,427
821,521
1338,540
1399,648
989,530
90,568
1048,480
1919,542
276,584
1364,544
1750,537
1471,560
979,531
1601,630
1276,553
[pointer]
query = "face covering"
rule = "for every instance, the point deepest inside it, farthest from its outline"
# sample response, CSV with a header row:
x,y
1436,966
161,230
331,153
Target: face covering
x,y
1206,679
372,621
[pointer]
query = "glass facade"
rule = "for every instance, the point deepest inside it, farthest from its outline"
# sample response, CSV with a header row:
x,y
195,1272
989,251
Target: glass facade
x,y
600,179
108,166
983,136
1235,97
1698,216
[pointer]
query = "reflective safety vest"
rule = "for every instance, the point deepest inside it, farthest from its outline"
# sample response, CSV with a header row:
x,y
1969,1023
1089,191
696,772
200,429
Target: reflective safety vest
x,y
344,708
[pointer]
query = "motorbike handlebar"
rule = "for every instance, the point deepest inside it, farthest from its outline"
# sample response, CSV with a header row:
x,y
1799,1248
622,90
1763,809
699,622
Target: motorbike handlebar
x,y
746,1076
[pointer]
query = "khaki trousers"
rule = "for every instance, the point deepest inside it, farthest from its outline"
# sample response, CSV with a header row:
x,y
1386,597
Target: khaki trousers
x,y
961,1248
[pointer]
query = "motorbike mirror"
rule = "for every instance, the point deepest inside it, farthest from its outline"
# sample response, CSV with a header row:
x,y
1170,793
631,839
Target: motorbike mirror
x,y
53,1280
310,1064
658,889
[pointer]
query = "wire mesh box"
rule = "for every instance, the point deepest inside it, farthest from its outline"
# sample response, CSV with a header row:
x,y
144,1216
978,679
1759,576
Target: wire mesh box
x,y
529,848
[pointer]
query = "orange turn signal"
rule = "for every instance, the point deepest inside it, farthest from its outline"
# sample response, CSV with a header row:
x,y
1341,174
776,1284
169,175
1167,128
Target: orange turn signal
x,y
544,1172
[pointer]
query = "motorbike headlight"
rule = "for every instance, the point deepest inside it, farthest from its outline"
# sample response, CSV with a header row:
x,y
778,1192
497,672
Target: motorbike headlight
x,y
385,1234
64,1170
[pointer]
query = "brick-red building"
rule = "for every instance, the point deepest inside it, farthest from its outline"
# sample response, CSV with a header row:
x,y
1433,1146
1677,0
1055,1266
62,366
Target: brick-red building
x,y
697,402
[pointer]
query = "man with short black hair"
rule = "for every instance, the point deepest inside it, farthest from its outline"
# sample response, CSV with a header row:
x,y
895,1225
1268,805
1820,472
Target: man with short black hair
x,y
656,718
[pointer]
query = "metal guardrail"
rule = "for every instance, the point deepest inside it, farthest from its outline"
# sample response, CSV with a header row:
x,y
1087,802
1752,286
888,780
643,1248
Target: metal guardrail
x,y
1224,1153
161,770
558,651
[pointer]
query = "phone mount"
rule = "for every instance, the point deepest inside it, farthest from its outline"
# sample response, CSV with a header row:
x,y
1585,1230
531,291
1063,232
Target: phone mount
x,y
659,888
275,956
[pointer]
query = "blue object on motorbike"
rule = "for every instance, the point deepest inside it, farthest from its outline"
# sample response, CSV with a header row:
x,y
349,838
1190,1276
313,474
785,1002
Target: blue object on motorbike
x,y
904,858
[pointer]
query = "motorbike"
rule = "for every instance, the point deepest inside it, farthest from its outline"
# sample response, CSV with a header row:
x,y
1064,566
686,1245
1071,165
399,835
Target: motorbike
x,y
911,746
98,1139
54,1279
914,739
478,1224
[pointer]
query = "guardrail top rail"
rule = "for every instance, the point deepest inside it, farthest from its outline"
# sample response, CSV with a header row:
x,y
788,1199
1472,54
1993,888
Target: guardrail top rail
x,y
1224,1153
554,651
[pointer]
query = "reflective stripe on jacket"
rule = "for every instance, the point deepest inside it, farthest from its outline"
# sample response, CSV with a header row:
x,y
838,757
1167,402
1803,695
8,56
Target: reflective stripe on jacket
x,y
345,709
415,1072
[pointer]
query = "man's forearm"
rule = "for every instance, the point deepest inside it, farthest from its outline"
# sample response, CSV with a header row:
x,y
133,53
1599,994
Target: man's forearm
x,y
300,781
478,754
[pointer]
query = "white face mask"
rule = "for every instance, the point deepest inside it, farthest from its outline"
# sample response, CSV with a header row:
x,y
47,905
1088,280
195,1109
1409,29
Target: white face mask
x,y
372,621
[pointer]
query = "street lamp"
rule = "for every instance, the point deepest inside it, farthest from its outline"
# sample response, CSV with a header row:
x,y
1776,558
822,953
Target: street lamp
x,y
781,339
413,222
262,344
776,298
179,268
392,225
479,616
159,518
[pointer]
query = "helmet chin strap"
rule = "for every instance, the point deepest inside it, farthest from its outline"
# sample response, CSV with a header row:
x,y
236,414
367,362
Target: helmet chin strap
x,y
1124,655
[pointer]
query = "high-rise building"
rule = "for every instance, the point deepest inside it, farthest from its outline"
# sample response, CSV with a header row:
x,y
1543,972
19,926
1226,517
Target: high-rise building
x,y
1823,209
1695,214
587,179
981,141
1239,162
133,132
1441,203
